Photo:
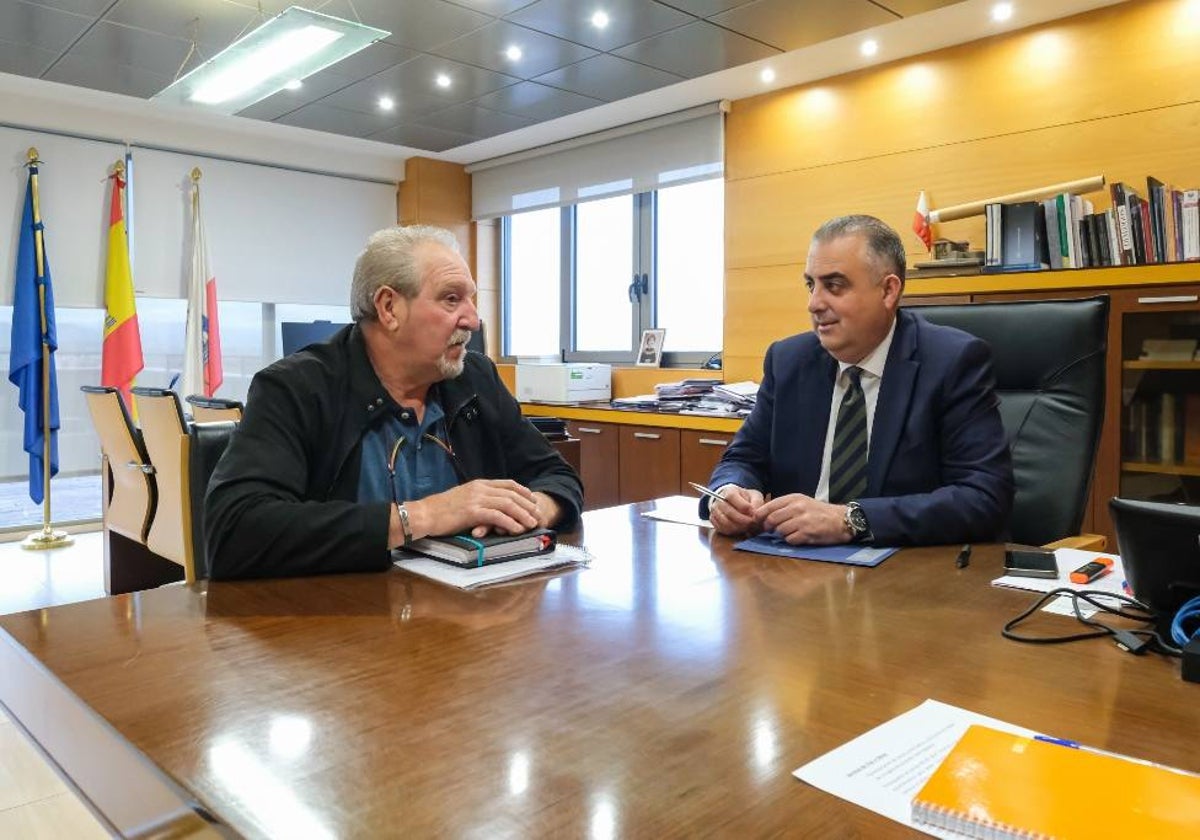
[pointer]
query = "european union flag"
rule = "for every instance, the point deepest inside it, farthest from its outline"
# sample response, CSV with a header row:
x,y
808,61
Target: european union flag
x,y
25,360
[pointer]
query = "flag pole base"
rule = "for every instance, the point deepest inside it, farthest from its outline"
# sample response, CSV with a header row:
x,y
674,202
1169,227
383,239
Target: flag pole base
x,y
47,538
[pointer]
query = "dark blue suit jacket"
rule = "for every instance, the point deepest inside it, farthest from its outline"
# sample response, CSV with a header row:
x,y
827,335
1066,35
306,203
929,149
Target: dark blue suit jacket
x,y
939,469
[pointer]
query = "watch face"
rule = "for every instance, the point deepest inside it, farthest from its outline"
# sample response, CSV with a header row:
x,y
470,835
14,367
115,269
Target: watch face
x,y
857,519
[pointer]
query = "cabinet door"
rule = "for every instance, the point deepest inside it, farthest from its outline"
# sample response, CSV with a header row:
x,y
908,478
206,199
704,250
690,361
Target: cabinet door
x,y
1157,333
699,453
598,449
649,463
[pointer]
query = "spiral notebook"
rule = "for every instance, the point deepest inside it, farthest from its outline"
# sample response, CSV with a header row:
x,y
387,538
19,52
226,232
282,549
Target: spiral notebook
x,y
999,785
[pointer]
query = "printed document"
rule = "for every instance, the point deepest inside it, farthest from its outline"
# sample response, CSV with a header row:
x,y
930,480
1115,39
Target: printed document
x,y
884,769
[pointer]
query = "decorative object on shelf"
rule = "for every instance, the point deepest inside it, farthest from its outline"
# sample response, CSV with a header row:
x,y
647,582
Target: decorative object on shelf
x,y
1169,349
651,349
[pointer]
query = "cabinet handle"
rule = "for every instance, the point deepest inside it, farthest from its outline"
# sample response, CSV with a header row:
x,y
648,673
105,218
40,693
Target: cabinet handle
x,y
646,435
1169,299
713,442
588,430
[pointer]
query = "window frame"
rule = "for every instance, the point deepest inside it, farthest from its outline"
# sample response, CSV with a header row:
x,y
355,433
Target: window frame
x,y
644,311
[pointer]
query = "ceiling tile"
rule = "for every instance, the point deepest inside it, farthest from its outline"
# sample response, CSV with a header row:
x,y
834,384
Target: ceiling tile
x,y
696,50
114,43
378,56
792,24
109,76
39,26
629,21
213,23
423,137
321,117
536,102
608,77
314,87
908,8
416,24
705,8
91,8
499,8
24,59
541,53
473,120
412,85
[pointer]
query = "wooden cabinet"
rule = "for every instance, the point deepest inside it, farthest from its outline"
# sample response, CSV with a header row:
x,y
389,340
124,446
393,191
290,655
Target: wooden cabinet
x,y
649,463
699,453
599,445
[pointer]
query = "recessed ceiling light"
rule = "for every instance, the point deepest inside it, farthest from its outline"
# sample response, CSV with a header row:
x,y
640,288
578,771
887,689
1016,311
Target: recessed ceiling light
x,y
386,103
513,53
869,47
600,19
767,75
443,81
1002,12
294,84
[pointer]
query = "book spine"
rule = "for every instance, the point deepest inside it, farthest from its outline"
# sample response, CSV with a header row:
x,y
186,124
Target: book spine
x,y
1053,243
1122,210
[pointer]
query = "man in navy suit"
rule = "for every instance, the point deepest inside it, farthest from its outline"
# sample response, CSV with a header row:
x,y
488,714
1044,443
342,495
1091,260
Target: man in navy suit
x,y
877,426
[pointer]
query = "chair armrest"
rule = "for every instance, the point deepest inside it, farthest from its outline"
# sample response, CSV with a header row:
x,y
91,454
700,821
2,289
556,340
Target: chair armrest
x,y
1086,542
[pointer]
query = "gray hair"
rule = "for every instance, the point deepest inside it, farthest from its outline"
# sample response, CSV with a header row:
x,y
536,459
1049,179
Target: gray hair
x,y
390,260
883,243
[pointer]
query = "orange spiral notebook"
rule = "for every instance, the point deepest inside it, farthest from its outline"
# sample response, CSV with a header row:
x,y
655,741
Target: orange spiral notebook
x,y
995,784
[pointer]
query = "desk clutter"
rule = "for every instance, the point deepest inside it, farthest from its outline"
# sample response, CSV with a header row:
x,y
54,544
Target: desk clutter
x,y
701,397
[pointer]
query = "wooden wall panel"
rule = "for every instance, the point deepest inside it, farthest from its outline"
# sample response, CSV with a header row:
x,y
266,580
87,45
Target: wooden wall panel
x,y
436,192
1095,65
1111,92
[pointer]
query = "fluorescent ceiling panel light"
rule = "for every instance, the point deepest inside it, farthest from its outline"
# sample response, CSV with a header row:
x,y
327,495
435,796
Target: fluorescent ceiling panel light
x,y
292,45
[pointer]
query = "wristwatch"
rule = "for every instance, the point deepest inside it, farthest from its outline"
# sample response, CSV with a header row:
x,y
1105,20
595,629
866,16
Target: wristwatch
x,y
856,521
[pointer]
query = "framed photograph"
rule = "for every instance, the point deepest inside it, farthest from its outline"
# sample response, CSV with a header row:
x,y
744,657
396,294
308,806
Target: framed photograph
x,y
651,349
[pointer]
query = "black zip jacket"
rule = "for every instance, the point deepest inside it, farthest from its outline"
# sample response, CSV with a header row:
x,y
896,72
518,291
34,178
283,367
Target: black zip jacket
x,y
282,500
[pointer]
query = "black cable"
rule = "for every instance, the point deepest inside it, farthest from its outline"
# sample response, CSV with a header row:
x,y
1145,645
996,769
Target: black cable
x,y
1127,608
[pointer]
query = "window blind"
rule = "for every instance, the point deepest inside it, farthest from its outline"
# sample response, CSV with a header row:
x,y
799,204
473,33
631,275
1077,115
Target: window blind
x,y
638,157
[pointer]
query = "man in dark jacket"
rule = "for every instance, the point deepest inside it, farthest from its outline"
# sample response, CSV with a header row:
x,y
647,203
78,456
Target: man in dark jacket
x,y
388,432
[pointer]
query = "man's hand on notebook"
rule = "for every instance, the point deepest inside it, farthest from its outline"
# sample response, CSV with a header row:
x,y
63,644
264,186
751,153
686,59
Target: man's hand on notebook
x,y
483,506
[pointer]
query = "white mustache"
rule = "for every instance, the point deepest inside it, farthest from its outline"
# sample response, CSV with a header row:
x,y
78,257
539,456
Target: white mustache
x,y
459,337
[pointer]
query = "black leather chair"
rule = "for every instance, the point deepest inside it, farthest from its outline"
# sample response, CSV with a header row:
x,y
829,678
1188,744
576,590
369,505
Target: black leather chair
x,y
1049,358
208,409
207,442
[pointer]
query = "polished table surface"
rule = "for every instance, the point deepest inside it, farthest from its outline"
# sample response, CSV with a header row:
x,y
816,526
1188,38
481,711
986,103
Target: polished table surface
x,y
668,690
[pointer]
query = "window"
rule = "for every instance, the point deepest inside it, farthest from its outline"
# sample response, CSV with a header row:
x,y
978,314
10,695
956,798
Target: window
x,y
584,280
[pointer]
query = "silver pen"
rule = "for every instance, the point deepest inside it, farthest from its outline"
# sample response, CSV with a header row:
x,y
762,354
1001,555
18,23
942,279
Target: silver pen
x,y
704,491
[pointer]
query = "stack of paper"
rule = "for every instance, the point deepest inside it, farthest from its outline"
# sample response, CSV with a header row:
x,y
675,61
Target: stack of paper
x,y
563,557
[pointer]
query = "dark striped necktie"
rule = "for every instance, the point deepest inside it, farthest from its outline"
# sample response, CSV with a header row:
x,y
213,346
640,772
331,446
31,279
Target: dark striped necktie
x,y
848,458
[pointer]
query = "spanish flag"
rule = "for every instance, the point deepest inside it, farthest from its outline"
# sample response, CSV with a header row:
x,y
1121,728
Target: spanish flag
x,y
121,359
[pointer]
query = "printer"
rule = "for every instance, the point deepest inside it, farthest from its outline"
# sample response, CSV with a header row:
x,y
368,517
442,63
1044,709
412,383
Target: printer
x,y
569,382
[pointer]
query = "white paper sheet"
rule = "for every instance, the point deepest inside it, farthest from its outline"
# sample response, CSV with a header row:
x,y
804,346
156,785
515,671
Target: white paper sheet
x,y
681,509
563,557
883,769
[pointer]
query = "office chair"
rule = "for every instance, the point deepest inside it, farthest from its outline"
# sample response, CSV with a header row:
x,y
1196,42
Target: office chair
x,y
207,442
209,409
165,434
131,493
1049,361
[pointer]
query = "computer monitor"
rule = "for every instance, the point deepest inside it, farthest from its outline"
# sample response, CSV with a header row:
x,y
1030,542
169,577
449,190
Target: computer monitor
x,y
299,334
1160,549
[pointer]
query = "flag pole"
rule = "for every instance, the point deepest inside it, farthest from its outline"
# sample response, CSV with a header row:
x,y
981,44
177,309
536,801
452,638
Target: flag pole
x,y
48,537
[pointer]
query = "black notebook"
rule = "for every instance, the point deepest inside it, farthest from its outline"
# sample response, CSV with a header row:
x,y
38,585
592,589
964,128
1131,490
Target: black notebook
x,y
465,550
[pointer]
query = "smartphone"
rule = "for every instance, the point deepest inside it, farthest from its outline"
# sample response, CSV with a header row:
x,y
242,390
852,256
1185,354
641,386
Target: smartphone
x,y
1030,562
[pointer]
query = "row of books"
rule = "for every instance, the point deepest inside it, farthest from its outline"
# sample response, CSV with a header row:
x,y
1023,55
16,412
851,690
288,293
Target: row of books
x,y
1163,428
1066,231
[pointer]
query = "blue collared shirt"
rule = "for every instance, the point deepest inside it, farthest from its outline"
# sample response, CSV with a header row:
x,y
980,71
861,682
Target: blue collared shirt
x,y
422,467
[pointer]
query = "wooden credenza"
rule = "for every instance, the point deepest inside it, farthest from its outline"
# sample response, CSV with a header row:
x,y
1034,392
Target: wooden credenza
x,y
633,456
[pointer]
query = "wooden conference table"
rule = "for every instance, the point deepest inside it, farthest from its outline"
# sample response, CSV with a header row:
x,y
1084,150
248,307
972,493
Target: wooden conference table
x,y
668,690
